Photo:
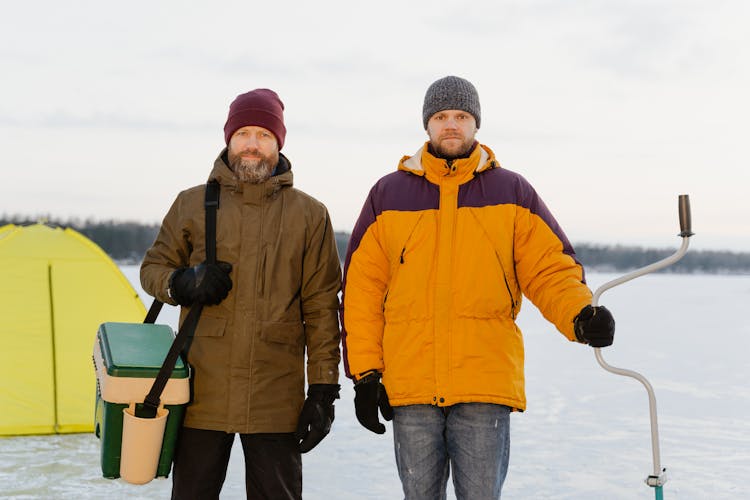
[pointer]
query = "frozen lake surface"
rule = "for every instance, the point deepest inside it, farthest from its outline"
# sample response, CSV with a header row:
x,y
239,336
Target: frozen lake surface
x,y
585,434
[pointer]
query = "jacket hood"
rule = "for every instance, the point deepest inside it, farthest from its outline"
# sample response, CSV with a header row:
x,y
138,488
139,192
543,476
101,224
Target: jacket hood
x,y
425,164
226,178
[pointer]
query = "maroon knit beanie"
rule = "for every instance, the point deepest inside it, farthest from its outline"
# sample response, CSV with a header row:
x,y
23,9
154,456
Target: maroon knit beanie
x,y
259,107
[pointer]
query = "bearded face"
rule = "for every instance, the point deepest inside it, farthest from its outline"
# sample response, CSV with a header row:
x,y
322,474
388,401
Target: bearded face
x,y
252,166
253,153
451,133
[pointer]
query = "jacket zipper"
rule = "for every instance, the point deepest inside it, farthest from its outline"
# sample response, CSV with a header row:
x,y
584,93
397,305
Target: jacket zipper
x,y
393,278
507,287
262,272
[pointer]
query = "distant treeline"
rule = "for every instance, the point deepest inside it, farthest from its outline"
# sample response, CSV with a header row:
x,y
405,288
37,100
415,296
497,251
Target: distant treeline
x,y
625,258
127,242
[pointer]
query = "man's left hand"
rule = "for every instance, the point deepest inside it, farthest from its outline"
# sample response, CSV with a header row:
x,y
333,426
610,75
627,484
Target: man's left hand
x,y
317,415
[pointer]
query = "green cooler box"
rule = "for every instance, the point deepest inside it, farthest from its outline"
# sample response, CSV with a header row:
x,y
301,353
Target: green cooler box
x,y
127,358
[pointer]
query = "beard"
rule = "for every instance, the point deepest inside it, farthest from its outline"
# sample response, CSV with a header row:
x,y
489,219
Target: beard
x,y
253,170
451,152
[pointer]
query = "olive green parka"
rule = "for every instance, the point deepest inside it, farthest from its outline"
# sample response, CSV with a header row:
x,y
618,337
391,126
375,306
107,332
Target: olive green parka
x,y
248,355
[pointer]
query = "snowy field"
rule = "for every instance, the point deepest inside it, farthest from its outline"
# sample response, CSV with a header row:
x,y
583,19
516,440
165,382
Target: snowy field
x,y
585,434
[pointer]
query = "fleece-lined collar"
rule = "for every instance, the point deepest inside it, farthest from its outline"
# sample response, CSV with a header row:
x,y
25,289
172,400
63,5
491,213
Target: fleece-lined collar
x,y
460,170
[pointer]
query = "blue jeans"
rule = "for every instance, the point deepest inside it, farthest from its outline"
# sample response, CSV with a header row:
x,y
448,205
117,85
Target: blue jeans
x,y
472,439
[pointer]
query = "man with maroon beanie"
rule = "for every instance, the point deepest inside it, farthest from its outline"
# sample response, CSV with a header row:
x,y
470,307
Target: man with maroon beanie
x,y
271,298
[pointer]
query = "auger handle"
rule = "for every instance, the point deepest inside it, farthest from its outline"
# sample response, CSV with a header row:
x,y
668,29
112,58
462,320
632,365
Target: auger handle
x,y
683,202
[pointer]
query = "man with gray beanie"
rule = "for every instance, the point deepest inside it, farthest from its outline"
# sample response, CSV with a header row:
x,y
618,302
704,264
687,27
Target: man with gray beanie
x,y
437,265
270,311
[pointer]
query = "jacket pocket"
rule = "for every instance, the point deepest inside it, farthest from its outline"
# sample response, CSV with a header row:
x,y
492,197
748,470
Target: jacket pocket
x,y
399,263
287,334
509,281
210,326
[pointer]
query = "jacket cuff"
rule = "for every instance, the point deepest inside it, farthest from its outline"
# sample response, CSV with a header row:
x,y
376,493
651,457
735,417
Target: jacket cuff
x,y
367,376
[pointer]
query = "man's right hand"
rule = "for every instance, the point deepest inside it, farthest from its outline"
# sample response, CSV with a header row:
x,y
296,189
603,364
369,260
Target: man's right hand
x,y
207,284
370,395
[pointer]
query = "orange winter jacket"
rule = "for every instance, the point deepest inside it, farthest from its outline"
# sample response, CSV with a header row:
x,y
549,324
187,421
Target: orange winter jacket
x,y
434,275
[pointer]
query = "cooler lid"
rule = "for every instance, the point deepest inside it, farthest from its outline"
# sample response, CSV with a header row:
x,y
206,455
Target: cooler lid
x,y
137,349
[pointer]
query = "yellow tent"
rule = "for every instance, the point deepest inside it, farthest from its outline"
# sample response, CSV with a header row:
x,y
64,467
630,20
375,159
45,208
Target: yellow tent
x,y
56,288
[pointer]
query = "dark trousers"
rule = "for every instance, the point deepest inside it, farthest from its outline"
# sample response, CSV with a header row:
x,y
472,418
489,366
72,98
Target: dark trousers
x,y
273,465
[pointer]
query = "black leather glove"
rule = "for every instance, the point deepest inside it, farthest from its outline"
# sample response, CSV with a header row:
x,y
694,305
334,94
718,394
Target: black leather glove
x,y
370,395
595,326
207,284
316,416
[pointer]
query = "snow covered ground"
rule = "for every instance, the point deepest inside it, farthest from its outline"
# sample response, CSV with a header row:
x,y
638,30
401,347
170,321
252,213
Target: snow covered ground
x,y
585,434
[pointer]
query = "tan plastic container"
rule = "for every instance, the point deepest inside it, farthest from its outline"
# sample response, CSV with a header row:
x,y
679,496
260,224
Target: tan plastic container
x,y
141,445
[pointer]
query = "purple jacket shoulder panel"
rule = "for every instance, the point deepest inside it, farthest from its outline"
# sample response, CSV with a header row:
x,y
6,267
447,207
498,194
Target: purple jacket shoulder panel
x,y
500,186
399,191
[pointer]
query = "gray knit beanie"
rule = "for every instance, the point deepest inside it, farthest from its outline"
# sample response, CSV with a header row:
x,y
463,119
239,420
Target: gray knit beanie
x,y
451,92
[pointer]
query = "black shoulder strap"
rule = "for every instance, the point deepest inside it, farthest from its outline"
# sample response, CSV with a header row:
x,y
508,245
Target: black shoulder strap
x,y
153,399
153,311
211,203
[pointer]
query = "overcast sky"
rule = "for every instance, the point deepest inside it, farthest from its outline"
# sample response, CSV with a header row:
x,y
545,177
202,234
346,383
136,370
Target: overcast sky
x,y
610,108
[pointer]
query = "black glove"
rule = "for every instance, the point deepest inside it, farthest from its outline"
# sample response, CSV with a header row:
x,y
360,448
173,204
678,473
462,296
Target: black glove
x,y
205,283
316,416
370,395
595,326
